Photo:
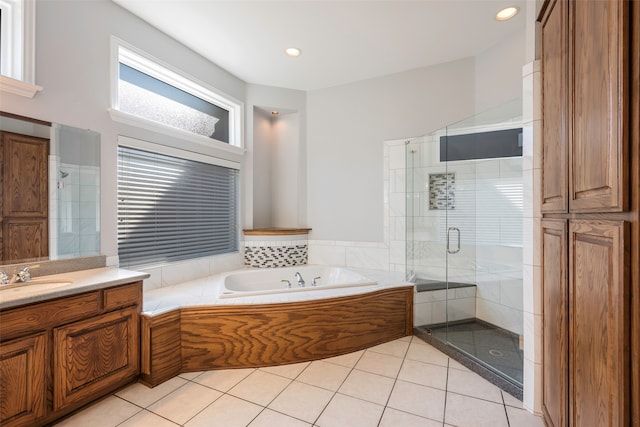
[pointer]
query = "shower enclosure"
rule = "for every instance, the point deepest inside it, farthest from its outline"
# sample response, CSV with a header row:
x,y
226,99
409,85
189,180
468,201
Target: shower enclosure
x,y
464,241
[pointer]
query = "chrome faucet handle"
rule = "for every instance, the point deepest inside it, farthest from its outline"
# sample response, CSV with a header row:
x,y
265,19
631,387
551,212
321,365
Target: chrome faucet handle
x,y
24,275
314,281
4,279
287,282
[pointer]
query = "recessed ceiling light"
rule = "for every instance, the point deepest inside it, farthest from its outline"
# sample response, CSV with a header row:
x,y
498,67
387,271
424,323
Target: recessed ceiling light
x,y
292,51
507,13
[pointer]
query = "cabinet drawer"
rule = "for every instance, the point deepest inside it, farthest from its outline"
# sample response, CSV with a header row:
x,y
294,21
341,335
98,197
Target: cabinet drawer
x,y
122,296
45,315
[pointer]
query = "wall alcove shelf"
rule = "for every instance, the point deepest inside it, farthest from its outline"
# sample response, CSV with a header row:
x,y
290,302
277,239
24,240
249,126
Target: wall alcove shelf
x,y
275,231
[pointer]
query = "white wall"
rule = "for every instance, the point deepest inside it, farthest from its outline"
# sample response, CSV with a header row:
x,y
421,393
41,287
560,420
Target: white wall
x,y
499,72
72,64
346,128
263,139
347,125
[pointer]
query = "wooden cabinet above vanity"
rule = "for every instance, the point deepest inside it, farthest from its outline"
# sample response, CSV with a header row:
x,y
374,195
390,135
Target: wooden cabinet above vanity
x,y
59,354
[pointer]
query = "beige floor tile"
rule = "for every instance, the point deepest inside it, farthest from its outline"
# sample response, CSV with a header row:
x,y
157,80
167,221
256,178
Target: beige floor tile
x,y
395,418
381,364
472,384
349,360
182,404
423,352
468,411
269,418
348,411
521,418
418,400
454,364
408,338
147,419
228,411
302,401
108,412
260,387
511,401
367,386
424,374
224,379
397,348
325,375
289,371
144,396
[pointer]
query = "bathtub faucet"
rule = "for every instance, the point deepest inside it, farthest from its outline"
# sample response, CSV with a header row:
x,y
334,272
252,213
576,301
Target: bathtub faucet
x,y
300,280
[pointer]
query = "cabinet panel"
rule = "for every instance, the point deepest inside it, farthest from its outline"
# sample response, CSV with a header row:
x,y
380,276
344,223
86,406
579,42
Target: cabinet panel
x,y
555,289
25,169
598,144
599,323
25,238
24,166
555,82
94,355
22,381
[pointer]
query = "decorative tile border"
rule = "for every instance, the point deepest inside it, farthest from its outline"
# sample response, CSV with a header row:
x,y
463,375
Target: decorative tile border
x,y
269,256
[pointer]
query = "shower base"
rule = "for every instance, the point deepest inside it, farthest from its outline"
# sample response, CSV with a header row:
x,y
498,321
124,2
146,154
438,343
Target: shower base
x,y
495,352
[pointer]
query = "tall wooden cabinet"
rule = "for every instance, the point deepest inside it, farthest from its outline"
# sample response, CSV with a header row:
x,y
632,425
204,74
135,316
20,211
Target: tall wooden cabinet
x,y
590,205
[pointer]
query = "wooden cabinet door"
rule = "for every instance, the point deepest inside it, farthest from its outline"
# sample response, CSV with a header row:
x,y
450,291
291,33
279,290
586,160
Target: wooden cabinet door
x,y
598,48
94,356
555,106
25,196
599,323
555,322
22,381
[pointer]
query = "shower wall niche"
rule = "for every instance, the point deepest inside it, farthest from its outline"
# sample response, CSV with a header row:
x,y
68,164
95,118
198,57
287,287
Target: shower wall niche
x,y
464,217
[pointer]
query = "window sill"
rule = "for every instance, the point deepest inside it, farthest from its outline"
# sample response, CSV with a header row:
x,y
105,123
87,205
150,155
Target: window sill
x,y
18,87
132,120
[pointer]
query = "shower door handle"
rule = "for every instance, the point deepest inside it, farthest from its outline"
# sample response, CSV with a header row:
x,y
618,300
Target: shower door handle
x,y
457,230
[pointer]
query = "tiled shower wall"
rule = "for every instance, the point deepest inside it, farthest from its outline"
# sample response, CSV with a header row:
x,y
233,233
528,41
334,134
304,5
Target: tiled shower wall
x,y
487,208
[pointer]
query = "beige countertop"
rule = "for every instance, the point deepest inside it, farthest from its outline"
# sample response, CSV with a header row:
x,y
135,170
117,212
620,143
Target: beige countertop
x,y
60,285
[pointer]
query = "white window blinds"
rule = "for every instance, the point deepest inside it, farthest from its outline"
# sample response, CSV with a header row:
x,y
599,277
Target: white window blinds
x,y
172,209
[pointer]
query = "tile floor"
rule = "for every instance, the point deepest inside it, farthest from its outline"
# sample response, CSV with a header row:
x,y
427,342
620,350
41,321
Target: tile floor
x,y
402,383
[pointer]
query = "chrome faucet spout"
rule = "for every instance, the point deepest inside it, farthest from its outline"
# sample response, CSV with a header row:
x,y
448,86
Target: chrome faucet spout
x,y
300,280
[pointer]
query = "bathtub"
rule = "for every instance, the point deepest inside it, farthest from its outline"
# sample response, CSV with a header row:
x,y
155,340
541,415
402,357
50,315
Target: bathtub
x,y
283,280
205,325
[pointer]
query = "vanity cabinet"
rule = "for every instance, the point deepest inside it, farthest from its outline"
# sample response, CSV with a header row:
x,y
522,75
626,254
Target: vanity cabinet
x,y
590,202
58,355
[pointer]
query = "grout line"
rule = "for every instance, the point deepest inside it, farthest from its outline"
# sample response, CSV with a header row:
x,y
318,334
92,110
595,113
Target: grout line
x,y
446,392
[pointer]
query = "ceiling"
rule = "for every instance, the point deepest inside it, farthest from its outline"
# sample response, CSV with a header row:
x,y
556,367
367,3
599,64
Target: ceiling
x,y
341,41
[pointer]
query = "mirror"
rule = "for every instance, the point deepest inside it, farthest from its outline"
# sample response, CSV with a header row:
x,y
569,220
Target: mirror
x,y
73,186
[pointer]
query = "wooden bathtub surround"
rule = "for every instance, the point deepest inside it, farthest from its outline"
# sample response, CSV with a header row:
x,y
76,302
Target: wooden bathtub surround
x,y
60,354
242,336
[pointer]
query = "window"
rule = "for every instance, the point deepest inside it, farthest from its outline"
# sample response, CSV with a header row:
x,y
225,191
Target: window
x,y
174,208
17,47
149,94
